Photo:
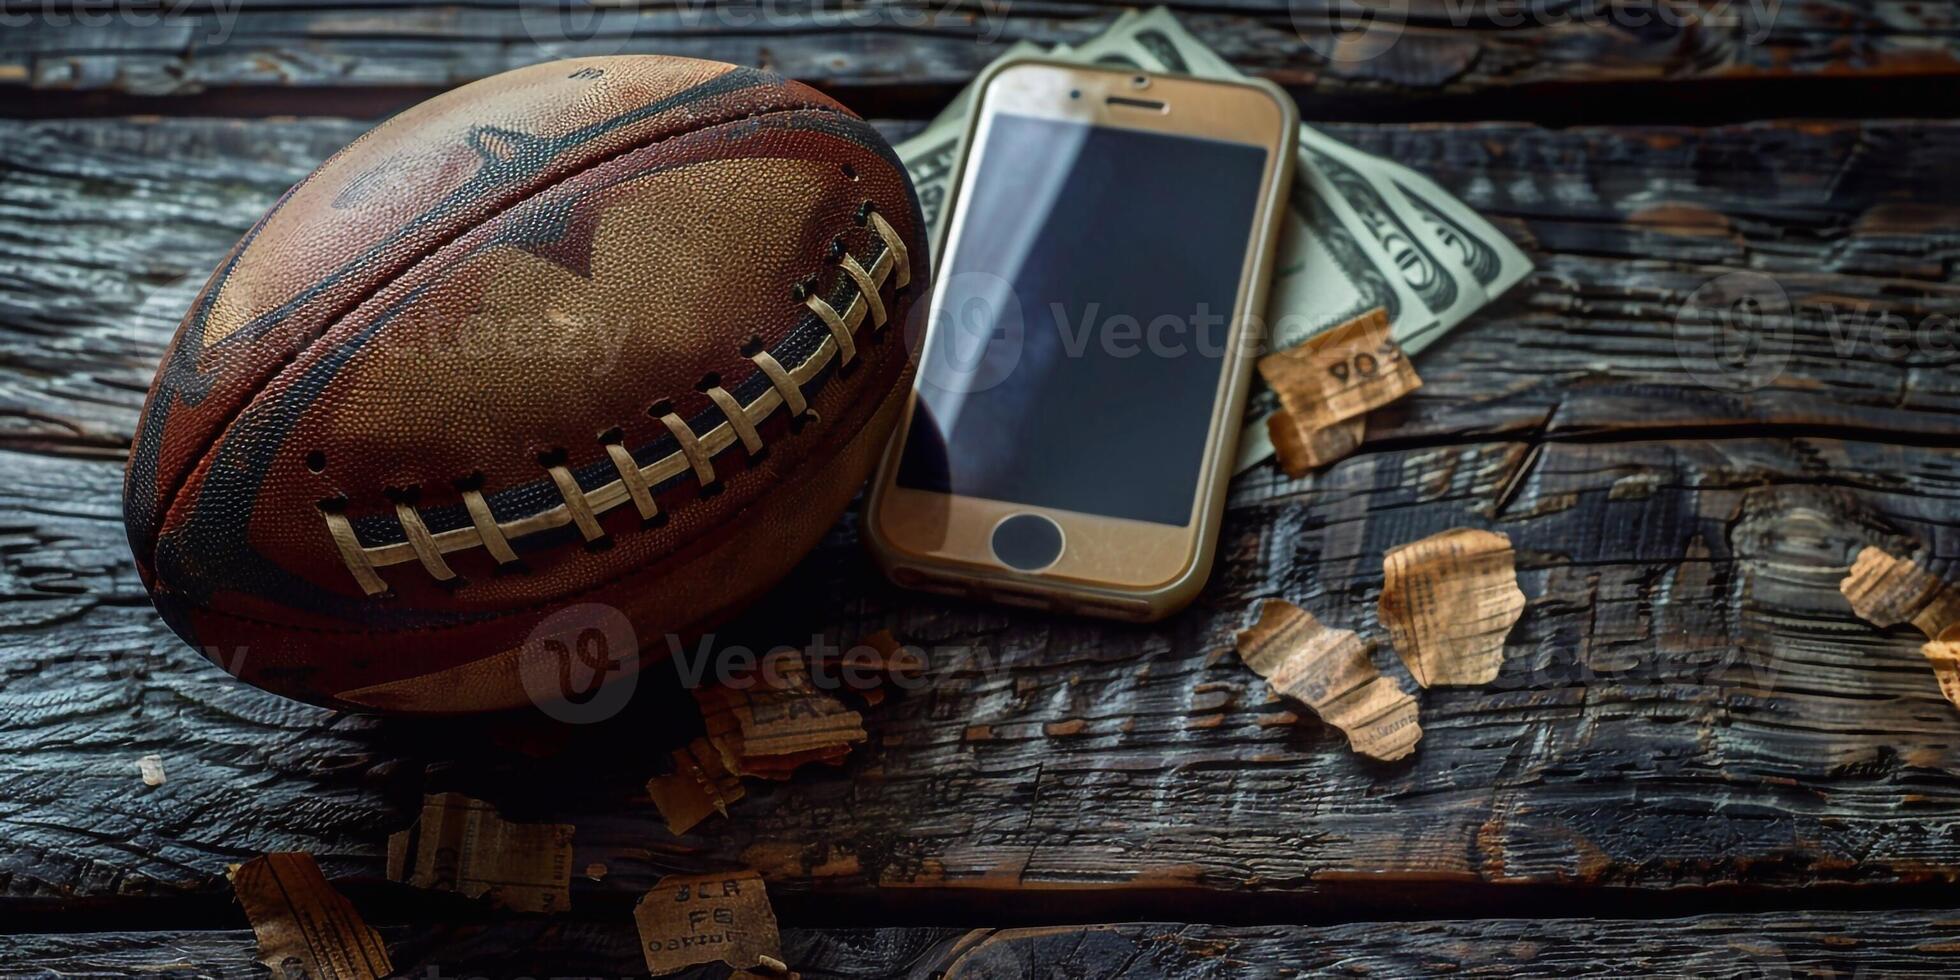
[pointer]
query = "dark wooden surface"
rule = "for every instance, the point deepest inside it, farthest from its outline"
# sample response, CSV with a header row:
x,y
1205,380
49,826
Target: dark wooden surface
x,y
1890,943
1459,58
1695,760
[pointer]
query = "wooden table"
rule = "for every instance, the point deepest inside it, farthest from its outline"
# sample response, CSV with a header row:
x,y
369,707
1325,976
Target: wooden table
x,y
1695,760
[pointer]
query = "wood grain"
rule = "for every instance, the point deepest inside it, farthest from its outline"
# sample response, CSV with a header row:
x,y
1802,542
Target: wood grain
x,y
1909,942
1695,761
1689,713
906,57
114,225
1687,703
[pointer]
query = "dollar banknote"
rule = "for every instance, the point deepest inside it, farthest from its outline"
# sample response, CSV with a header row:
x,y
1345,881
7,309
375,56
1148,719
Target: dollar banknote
x,y
1360,232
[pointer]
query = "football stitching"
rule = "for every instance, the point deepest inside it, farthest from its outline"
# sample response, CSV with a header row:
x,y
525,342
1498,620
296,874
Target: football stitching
x,y
585,590
581,508
173,500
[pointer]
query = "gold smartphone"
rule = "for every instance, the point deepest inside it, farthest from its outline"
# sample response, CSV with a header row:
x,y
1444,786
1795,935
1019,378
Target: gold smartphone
x,y
1088,343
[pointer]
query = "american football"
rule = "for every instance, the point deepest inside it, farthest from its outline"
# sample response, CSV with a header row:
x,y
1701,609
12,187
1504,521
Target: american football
x,y
624,331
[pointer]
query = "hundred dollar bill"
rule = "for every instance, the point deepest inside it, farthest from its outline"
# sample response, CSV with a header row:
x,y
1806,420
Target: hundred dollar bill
x,y
1481,250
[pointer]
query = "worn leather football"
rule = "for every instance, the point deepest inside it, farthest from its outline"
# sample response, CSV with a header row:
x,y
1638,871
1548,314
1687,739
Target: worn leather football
x,y
613,333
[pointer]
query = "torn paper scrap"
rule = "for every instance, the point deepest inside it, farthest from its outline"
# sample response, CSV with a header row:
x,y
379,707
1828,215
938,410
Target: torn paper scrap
x,y
1886,591
786,715
723,711
699,785
688,920
1944,654
772,722
150,767
1302,449
1448,601
1342,373
1327,383
1329,670
304,927
463,845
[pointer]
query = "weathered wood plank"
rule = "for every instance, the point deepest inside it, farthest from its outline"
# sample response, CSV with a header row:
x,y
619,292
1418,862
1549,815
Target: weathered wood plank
x,y
1888,943
1688,705
878,51
107,228
536,948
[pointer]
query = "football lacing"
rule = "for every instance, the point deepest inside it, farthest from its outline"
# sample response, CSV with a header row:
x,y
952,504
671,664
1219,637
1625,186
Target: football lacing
x,y
696,452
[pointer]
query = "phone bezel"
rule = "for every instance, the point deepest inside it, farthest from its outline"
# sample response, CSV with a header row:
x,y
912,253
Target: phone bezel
x,y
931,538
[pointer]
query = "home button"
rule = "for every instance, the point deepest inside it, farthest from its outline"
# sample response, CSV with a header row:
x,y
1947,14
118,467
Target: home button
x,y
1029,542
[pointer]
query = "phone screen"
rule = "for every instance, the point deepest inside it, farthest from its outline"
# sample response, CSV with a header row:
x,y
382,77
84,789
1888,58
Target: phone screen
x,y
1080,325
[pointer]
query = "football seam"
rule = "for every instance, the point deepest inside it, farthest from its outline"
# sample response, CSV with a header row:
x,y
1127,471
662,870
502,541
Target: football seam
x,y
170,503
694,453
897,391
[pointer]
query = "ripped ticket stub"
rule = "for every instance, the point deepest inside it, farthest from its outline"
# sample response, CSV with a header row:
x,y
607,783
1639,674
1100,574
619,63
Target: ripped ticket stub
x,y
463,845
699,785
304,927
769,724
1886,591
1944,654
1448,601
1326,384
688,920
1329,671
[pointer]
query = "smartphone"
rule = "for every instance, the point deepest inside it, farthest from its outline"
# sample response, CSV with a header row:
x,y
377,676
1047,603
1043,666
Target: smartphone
x,y
1087,346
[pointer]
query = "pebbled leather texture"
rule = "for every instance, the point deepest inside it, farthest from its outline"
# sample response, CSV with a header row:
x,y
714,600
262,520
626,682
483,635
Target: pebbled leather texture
x,y
504,278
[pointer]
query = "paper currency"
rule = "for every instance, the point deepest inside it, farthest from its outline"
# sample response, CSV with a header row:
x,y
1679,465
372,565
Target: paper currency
x,y
1360,232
